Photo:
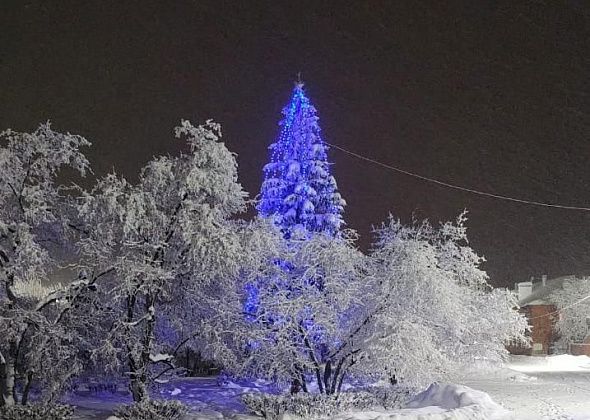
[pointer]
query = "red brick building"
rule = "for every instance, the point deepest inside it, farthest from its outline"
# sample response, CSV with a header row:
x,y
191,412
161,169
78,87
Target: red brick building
x,y
542,319
541,313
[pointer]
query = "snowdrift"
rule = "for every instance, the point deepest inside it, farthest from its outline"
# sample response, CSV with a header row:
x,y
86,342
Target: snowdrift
x,y
440,402
463,402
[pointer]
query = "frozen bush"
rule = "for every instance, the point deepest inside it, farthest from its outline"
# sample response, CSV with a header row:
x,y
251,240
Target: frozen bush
x,y
37,412
152,410
319,406
391,398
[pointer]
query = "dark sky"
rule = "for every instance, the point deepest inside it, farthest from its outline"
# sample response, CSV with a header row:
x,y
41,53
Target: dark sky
x,y
485,94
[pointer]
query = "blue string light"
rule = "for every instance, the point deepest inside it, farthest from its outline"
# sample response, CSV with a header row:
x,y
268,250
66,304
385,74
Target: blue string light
x,y
298,188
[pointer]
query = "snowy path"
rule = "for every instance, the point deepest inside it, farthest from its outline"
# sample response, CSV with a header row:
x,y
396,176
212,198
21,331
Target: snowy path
x,y
556,388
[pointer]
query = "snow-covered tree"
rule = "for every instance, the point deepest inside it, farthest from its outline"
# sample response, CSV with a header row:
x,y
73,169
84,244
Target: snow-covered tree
x,y
298,188
298,193
413,311
168,241
573,303
433,309
37,342
302,302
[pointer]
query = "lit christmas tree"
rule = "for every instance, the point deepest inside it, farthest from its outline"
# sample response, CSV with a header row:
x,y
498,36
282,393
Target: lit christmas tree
x,y
298,188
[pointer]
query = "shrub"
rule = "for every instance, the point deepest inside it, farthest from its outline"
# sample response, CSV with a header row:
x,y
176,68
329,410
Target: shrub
x,y
317,406
391,398
152,410
307,406
37,412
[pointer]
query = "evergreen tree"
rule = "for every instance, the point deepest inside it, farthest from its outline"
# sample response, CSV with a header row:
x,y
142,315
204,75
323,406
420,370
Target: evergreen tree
x,y
298,188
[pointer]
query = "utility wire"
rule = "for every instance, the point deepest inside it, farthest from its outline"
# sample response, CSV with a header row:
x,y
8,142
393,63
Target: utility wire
x,y
470,190
562,309
457,187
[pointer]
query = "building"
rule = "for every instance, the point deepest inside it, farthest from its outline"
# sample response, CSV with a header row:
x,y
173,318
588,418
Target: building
x,y
534,302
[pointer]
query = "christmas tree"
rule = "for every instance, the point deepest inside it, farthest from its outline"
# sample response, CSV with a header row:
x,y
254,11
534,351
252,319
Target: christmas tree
x,y
298,188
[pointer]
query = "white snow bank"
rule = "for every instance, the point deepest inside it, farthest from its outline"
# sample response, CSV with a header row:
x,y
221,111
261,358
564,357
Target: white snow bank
x,y
425,413
438,402
559,363
463,402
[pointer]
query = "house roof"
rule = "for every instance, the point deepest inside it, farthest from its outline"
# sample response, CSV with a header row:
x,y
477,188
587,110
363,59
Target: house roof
x,y
541,292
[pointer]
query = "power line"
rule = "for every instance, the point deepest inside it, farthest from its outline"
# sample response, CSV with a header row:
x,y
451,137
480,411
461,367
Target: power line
x,y
562,309
457,187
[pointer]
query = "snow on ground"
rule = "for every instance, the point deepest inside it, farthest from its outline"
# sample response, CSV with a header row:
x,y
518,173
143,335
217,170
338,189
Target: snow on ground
x,y
439,402
457,398
548,388
539,388
211,401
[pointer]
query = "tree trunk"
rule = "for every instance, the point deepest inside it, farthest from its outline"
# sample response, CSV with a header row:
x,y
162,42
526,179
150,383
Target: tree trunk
x,y
340,383
27,389
303,383
327,376
139,368
138,388
295,386
8,378
318,377
137,378
136,368
2,381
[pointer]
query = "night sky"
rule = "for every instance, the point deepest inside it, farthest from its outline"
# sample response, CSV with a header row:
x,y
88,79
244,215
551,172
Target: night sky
x,y
489,95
